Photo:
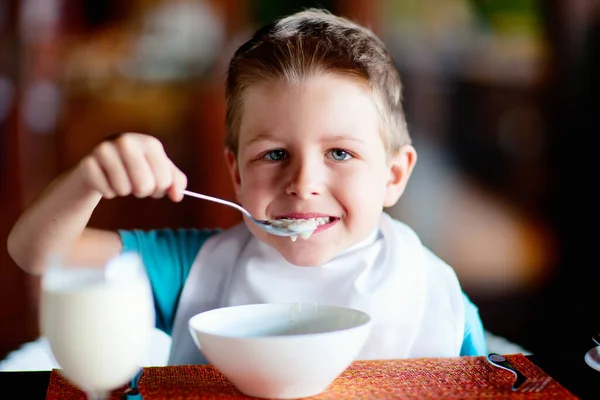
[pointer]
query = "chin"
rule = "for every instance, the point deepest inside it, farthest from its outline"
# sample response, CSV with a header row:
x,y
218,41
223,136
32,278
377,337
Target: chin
x,y
303,254
308,259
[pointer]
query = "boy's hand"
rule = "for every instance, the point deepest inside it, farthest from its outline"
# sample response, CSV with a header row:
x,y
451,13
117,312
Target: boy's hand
x,y
132,163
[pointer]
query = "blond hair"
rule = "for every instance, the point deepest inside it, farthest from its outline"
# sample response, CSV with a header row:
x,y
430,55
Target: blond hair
x,y
310,42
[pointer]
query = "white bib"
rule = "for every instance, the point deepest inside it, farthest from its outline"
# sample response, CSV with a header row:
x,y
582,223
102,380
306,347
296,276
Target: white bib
x,y
413,297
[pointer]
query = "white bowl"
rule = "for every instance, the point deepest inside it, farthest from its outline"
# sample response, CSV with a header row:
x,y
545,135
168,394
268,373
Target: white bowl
x,y
282,351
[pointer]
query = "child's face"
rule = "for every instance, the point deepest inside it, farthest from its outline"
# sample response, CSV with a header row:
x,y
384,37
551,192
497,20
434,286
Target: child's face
x,y
315,150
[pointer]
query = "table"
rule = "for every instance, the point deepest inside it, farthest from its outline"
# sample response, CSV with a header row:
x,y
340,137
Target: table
x,y
568,368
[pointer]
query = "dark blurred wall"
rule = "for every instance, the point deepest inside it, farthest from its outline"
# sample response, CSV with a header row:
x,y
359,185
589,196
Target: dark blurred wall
x,y
569,309
16,310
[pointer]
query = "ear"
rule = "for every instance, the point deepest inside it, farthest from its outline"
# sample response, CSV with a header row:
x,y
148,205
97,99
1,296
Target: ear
x,y
400,167
234,172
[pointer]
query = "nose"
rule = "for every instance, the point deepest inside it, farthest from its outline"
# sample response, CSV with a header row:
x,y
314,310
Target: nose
x,y
306,179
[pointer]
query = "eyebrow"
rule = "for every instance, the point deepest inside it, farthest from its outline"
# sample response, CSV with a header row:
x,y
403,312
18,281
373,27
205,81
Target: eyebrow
x,y
270,137
263,136
343,137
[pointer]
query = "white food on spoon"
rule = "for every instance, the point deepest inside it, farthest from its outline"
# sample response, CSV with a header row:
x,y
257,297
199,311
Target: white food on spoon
x,y
304,227
306,235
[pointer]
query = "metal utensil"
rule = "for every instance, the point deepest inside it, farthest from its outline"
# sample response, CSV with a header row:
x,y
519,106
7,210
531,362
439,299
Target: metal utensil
x,y
522,383
596,339
592,358
266,225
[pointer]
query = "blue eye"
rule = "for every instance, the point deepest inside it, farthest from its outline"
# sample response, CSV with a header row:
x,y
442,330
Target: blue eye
x,y
276,155
340,155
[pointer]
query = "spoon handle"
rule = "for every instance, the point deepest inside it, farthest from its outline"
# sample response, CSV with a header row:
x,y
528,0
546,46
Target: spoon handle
x,y
596,339
217,200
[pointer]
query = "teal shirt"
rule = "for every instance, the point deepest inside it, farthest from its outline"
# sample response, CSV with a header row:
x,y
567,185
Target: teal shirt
x,y
169,254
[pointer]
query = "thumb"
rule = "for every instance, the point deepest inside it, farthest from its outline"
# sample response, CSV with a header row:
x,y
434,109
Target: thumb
x,y
175,192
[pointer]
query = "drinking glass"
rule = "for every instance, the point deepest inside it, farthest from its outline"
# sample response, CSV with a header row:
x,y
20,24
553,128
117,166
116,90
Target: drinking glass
x,y
98,321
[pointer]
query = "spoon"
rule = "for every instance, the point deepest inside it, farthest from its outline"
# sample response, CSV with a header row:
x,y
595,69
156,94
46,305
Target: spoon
x,y
498,361
592,357
274,227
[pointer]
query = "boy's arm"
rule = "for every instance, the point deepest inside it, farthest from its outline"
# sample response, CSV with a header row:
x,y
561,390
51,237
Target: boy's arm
x,y
55,223
168,256
474,343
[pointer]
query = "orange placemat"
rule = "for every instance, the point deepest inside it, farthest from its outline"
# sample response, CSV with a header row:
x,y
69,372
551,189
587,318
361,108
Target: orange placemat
x,y
420,378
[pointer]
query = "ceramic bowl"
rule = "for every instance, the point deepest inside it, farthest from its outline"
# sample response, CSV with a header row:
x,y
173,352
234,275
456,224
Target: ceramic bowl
x,y
281,351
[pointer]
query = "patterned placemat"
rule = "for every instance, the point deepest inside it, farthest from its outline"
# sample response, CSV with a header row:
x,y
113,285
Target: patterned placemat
x,y
420,378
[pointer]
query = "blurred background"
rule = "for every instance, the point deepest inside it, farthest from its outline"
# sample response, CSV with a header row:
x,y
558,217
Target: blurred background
x,y
499,101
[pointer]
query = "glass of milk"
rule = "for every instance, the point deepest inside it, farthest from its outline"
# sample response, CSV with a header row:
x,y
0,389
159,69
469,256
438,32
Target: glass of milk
x,y
98,321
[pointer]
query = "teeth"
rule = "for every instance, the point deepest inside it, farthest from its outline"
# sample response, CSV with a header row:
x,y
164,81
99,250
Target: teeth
x,y
294,237
289,222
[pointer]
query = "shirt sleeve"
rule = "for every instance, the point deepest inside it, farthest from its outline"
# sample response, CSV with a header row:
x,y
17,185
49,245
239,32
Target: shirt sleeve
x,y
168,256
474,343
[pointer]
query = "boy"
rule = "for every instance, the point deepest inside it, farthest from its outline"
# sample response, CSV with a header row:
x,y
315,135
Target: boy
x,y
315,129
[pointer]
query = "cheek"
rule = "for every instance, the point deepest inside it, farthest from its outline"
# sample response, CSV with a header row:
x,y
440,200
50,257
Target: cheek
x,y
257,183
259,177
362,182
361,193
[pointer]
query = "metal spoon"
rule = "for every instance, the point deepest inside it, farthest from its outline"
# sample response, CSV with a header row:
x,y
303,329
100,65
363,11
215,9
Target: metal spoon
x,y
266,225
592,357
501,362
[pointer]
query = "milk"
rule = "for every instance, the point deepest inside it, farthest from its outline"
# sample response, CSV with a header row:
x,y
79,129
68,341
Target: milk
x,y
98,328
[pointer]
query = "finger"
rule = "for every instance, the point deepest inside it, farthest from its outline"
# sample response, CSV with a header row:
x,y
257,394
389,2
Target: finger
x,y
175,192
161,167
94,176
140,174
109,160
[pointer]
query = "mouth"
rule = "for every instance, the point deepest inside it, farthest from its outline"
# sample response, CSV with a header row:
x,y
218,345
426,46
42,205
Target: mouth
x,y
314,222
